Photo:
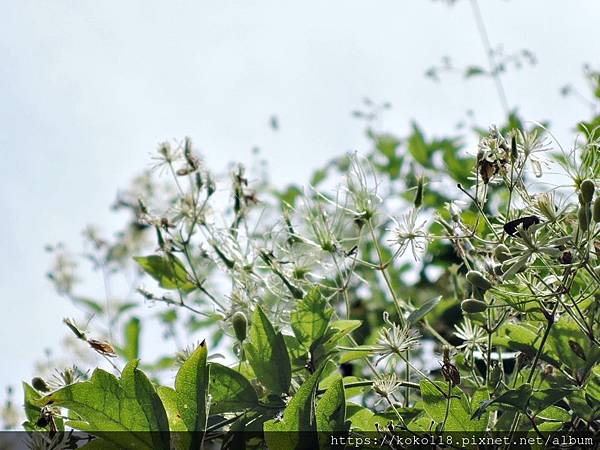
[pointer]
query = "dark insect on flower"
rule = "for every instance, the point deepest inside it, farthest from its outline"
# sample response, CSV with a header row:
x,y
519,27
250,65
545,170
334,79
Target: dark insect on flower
x,y
449,370
347,369
102,347
524,359
526,222
566,257
487,169
46,419
577,349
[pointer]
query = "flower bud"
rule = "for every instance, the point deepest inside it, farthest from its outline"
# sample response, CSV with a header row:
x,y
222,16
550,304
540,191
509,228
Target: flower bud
x,y
583,216
587,190
419,194
240,325
502,253
577,349
472,306
39,384
596,210
478,280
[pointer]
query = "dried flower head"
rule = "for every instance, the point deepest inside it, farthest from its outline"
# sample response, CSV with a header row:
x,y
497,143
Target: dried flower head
x,y
104,348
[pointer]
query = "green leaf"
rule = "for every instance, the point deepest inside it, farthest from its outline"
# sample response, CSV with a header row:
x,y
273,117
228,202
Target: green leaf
x,y
353,355
318,176
364,419
458,168
543,398
311,317
425,309
167,270
418,148
331,414
267,354
513,398
32,410
592,387
456,414
121,411
191,388
562,336
230,391
473,71
94,306
331,408
291,432
479,396
526,339
386,144
554,414
169,399
131,350
340,329
31,399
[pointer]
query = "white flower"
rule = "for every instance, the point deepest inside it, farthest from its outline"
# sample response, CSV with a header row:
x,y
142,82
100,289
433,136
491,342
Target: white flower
x,y
386,386
395,339
406,232
533,147
473,336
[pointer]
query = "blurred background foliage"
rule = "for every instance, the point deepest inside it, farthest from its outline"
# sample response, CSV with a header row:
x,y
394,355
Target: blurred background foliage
x,y
134,320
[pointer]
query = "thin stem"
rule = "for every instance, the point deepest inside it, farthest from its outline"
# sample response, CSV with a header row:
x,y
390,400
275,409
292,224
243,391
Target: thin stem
x,y
490,55
448,399
384,272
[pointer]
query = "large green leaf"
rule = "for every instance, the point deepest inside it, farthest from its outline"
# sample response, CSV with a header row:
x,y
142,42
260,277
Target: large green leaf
x,y
230,391
311,317
169,399
167,270
365,419
513,399
191,389
563,337
542,398
33,411
295,430
331,408
121,411
519,337
456,414
592,388
331,414
267,354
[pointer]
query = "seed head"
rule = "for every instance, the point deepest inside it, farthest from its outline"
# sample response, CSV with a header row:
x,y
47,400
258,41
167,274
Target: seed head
x,y
587,190
240,325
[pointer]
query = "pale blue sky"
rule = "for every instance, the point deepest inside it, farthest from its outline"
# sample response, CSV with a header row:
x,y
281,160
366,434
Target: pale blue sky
x,y
88,88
